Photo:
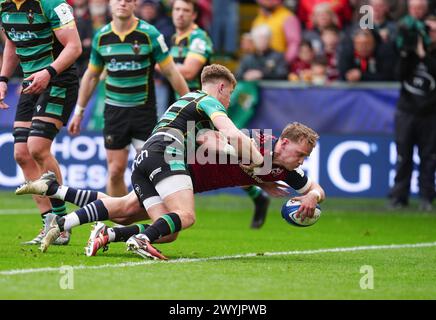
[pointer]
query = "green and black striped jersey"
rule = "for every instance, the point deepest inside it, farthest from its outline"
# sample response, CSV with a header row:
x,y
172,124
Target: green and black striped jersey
x,y
192,112
30,25
129,58
195,43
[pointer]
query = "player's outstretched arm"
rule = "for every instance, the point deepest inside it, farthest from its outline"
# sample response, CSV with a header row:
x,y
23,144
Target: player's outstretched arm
x,y
215,142
314,195
245,147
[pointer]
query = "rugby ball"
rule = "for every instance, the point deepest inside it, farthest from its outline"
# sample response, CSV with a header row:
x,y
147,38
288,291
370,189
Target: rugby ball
x,y
291,207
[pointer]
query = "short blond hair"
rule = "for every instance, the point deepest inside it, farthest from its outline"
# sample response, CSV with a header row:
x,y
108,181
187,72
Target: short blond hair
x,y
297,132
216,72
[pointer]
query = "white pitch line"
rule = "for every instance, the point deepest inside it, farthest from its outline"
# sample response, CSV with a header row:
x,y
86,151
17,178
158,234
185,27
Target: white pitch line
x,y
17,211
238,256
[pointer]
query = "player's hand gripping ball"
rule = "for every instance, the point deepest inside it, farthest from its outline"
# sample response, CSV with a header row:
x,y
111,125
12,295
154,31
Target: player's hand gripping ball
x,y
290,209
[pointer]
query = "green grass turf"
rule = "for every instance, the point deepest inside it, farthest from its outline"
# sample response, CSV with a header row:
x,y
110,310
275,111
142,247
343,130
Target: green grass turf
x,y
222,230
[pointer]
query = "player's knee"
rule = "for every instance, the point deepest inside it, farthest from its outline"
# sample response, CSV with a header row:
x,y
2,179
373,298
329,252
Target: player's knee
x,y
116,171
187,218
124,221
22,156
38,152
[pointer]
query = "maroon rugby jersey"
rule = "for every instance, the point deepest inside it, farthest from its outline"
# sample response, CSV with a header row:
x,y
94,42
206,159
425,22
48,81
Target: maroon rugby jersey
x,y
207,177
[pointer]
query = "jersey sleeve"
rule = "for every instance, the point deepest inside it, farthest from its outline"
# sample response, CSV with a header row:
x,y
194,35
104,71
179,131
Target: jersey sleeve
x,y
96,61
161,52
212,108
58,12
298,181
200,47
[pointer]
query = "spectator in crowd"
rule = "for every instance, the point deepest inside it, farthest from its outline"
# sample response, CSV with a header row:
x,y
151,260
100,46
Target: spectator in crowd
x,y
386,28
396,8
330,45
300,68
225,26
367,59
284,25
265,63
318,71
153,12
246,45
414,21
84,27
415,119
99,10
322,17
342,9
382,23
418,9
204,19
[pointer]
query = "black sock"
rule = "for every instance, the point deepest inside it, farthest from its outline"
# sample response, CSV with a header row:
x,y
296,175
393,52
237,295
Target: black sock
x,y
58,207
80,197
253,192
165,225
52,188
122,234
95,211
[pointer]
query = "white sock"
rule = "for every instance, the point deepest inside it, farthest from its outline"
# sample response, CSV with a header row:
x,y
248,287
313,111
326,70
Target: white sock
x,y
60,193
71,221
111,234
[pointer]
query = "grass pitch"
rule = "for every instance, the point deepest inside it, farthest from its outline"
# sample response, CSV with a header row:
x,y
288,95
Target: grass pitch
x,y
227,260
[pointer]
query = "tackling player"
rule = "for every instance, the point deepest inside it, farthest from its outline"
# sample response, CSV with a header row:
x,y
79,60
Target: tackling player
x,y
288,152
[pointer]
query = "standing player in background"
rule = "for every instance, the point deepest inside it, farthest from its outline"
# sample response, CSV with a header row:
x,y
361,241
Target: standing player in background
x,y
128,48
192,50
42,37
191,47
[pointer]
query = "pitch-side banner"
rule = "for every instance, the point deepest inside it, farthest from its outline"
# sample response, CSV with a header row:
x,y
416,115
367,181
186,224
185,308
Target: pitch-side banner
x,y
335,110
343,165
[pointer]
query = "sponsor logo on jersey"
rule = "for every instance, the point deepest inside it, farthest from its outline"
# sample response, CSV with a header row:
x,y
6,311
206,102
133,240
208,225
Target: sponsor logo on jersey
x,y
114,65
21,35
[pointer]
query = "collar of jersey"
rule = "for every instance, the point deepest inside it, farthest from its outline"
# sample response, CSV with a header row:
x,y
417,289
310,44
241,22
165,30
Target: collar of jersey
x,y
123,35
186,34
18,3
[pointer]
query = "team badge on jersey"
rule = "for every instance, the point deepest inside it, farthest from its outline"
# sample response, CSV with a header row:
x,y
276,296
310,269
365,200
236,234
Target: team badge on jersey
x,y
136,47
30,17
